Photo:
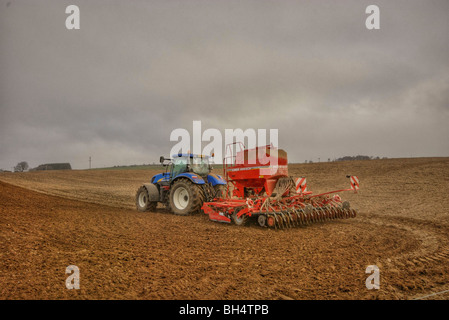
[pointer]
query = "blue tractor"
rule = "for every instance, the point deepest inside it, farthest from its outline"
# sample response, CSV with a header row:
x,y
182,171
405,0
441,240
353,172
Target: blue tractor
x,y
186,183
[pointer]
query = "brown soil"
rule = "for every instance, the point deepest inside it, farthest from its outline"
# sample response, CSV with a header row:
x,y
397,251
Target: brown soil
x,y
50,220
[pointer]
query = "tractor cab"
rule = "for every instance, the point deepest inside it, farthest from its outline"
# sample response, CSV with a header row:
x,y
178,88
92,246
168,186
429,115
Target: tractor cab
x,y
186,163
197,164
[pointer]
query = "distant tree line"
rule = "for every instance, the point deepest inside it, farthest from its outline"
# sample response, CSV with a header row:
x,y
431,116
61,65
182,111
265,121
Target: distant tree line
x,y
23,166
137,165
349,158
358,157
53,166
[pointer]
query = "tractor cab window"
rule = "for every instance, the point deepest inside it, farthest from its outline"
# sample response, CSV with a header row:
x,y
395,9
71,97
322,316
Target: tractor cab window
x,y
179,166
200,166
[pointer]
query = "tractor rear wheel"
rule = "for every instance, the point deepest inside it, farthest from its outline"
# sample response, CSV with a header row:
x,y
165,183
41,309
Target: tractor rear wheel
x,y
220,191
185,197
143,202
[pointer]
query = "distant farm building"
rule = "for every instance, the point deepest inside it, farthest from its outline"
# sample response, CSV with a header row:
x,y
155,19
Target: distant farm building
x,y
53,166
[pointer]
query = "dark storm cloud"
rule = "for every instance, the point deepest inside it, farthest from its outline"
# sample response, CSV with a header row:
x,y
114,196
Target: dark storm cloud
x,y
136,70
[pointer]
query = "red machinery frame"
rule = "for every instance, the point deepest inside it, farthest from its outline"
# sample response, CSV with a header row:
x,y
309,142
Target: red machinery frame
x,y
253,181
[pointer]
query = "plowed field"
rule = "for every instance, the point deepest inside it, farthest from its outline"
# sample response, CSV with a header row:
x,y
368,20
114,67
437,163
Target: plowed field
x,y
50,220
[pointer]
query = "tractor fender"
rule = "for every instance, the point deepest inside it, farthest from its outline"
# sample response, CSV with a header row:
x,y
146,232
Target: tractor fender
x,y
196,179
215,179
153,191
160,177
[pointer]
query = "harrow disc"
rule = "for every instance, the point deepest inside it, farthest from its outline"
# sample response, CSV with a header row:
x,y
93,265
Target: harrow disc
x,y
271,221
262,220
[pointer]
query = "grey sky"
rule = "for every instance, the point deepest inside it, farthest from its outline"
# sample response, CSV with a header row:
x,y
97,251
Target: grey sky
x,y
136,70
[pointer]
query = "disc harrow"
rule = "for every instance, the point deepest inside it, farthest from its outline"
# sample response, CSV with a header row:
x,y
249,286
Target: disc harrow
x,y
281,217
299,217
273,212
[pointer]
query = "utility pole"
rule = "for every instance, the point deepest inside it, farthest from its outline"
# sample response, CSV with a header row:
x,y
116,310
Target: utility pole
x,y
90,161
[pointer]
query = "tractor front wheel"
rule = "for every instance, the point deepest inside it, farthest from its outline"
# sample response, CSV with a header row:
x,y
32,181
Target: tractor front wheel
x,y
143,202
